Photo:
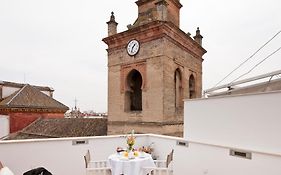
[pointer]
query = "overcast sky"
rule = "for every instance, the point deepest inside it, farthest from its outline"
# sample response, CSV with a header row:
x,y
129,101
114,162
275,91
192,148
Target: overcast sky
x,y
57,43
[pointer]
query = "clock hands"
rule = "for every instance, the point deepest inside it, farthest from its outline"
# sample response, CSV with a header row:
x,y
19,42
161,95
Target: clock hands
x,y
133,48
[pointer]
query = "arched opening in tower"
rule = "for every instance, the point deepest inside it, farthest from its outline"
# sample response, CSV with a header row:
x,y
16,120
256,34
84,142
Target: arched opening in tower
x,y
178,90
192,93
134,92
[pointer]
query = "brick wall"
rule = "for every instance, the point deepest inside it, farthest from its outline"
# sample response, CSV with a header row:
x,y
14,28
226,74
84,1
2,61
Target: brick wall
x,y
18,121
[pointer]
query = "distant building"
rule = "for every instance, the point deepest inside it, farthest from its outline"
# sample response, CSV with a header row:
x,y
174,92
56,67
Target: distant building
x,y
74,113
21,104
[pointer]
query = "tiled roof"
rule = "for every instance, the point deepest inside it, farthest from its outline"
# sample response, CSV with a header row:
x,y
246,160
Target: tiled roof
x,y
20,85
32,98
64,127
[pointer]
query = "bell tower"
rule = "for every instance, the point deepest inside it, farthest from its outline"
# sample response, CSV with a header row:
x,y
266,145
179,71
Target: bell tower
x,y
152,67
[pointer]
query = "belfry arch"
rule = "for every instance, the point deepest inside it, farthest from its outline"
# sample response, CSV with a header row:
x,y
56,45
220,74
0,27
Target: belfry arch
x,y
134,82
192,93
178,89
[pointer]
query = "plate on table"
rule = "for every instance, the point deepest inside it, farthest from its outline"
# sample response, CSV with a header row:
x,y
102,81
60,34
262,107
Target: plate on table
x,y
124,158
142,156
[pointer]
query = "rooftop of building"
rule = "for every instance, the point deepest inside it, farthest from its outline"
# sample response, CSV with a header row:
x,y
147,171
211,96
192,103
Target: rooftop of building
x,y
62,127
21,85
30,97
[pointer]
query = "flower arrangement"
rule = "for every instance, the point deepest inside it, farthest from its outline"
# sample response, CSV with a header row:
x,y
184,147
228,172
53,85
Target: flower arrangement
x,y
131,140
146,149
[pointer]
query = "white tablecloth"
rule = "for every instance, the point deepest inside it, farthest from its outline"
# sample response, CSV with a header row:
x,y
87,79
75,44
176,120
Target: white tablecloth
x,y
121,165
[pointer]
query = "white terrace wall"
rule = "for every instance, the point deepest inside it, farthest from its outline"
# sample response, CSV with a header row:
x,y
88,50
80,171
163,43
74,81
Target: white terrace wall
x,y
244,121
204,159
213,126
59,156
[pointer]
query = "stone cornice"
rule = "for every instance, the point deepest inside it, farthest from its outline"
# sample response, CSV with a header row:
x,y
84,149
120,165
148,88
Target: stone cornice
x,y
145,123
35,110
141,2
152,31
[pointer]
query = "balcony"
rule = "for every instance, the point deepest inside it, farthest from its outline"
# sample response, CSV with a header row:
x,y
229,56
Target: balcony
x,y
65,156
234,135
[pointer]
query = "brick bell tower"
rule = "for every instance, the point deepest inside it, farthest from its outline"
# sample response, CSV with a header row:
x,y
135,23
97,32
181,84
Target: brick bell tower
x,y
152,67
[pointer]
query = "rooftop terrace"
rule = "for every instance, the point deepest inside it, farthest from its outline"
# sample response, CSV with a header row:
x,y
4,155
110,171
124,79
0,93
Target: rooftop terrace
x,y
234,135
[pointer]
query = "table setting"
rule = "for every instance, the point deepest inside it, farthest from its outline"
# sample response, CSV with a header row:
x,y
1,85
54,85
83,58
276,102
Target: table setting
x,y
130,161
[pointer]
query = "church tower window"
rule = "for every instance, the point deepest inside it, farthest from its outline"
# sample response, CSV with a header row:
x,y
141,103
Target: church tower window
x,y
134,91
178,89
192,87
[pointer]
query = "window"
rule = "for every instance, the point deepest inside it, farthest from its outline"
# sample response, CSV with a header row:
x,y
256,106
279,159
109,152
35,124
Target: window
x,y
178,89
133,101
192,93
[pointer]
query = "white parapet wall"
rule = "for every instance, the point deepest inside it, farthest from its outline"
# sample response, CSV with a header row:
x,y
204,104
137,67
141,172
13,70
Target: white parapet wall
x,y
204,159
4,125
243,121
65,155
246,126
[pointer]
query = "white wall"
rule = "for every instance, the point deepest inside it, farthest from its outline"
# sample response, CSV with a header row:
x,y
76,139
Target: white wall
x,y
59,156
47,93
246,121
6,91
202,159
162,145
4,125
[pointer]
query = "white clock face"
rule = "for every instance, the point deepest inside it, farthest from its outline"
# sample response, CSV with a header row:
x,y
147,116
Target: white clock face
x,y
133,47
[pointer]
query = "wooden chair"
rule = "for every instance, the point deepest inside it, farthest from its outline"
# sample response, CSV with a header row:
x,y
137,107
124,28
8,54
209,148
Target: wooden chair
x,y
163,167
96,167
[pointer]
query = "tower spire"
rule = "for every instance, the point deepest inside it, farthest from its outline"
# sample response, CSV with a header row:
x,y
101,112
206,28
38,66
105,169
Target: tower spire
x,y
112,25
75,101
198,37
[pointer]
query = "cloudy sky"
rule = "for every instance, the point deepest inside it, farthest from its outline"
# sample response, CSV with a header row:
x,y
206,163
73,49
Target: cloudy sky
x,y
58,43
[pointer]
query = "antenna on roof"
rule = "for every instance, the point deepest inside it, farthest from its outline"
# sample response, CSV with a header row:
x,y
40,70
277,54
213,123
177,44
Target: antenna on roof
x,y
75,100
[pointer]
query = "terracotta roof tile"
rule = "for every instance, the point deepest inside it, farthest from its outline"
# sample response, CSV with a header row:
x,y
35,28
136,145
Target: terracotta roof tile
x,y
64,127
31,97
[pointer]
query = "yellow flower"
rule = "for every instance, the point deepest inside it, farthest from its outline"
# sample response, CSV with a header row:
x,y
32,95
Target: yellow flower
x,y
136,154
126,154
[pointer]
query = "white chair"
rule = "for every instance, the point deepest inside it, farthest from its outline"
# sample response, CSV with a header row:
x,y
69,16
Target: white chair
x,y
96,167
163,167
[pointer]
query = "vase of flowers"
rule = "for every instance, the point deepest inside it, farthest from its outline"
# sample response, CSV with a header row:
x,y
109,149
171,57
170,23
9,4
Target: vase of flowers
x,y
130,142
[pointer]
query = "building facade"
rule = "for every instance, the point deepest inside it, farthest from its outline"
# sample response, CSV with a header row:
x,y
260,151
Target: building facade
x,y
152,67
22,104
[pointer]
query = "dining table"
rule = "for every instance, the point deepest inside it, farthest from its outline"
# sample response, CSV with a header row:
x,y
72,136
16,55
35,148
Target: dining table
x,y
121,163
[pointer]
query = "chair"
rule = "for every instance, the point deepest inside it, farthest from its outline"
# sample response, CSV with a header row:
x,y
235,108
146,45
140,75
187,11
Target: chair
x,y
163,167
96,167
